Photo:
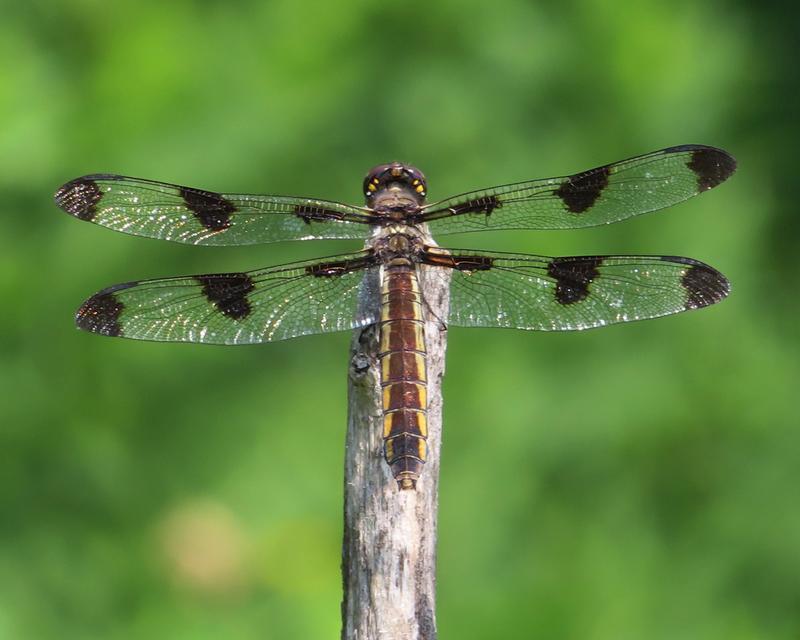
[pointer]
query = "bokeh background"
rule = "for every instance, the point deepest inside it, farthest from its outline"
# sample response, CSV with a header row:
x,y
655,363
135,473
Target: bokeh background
x,y
639,481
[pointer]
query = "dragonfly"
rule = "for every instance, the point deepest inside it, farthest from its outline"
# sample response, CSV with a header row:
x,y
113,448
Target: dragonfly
x,y
380,285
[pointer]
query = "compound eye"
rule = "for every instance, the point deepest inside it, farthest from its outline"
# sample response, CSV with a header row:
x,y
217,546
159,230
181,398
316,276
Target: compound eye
x,y
372,187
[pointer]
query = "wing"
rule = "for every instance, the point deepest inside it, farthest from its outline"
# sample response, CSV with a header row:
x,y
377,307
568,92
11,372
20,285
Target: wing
x,y
562,294
194,216
281,302
599,196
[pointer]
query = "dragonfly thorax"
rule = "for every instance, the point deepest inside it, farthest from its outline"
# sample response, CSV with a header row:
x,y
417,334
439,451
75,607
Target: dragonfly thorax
x,y
403,245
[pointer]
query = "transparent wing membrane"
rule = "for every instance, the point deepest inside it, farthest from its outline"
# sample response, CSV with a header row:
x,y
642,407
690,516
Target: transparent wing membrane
x,y
240,308
599,196
572,293
195,216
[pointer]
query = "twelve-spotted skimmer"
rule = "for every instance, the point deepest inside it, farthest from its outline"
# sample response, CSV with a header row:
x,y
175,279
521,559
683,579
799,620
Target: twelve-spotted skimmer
x,y
319,296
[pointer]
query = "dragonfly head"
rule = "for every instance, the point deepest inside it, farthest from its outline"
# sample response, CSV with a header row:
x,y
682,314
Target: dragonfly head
x,y
395,185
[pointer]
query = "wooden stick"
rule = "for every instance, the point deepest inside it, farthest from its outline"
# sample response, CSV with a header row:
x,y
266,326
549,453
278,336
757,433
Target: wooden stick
x,y
389,550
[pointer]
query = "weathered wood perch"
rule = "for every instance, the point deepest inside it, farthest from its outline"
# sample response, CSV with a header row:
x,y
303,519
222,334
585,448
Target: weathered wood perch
x,y
389,549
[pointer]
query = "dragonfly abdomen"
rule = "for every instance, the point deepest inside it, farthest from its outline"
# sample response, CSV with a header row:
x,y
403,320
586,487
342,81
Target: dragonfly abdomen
x,y
403,374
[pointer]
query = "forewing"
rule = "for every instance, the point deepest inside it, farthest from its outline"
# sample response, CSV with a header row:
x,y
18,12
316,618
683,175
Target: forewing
x,y
572,293
599,196
195,216
320,296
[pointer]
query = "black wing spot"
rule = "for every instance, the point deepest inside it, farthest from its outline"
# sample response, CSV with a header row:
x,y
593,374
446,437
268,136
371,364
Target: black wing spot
x,y
704,285
473,263
581,191
228,293
79,198
309,212
484,204
711,166
464,263
573,277
327,269
341,267
211,209
100,314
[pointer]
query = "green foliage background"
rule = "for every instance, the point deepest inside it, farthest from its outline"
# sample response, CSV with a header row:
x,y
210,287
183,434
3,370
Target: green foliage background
x,y
634,482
